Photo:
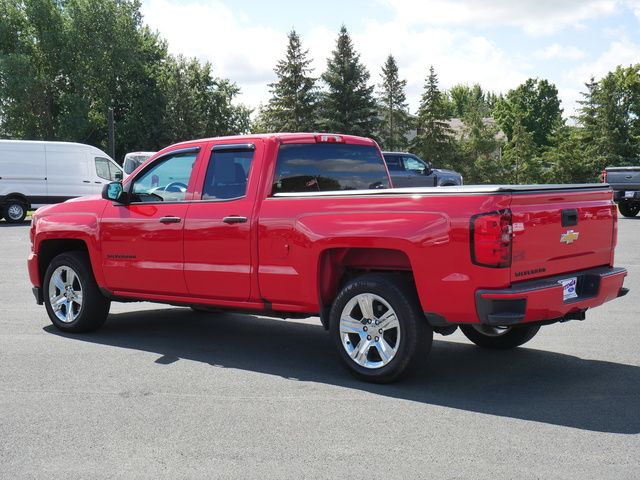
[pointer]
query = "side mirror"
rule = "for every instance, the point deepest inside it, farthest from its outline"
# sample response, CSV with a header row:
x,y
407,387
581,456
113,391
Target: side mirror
x,y
118,176
113,191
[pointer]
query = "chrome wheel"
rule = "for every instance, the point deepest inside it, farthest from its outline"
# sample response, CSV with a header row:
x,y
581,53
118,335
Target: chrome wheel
x,y
15,211
369,330
491,331
65,294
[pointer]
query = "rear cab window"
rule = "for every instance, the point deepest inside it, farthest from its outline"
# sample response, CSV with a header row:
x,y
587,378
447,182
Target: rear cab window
x,y
325,167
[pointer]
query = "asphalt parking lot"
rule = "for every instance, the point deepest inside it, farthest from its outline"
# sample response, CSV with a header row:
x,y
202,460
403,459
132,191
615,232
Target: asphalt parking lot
x,y
161,392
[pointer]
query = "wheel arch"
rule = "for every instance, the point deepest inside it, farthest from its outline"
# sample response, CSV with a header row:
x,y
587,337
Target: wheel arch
x,y
337,266
51,248
16,195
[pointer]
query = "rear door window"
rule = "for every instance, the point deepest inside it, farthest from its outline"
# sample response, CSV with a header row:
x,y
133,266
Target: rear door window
x,y
326,167
227,173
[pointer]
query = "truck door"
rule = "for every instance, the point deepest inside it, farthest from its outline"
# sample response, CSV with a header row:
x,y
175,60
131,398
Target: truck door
x,y
217,233
142,242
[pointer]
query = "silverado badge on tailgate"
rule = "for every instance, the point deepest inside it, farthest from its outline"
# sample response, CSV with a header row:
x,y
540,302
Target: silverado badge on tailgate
x,y
569,237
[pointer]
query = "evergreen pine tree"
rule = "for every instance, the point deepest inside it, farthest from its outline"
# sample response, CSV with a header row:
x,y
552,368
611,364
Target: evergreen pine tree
x,y
393,108
434,139
348,105
520,157
293,104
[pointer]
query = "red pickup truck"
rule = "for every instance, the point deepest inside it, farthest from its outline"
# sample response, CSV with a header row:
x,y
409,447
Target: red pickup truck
x,y
295,225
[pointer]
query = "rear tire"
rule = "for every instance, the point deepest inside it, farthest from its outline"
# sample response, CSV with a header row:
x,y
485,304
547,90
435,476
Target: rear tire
x,y
378,328
629,209
72,298
499,338
15,210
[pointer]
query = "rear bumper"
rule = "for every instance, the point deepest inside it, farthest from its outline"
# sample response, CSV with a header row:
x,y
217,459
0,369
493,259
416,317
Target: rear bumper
x,y
622,194
542,300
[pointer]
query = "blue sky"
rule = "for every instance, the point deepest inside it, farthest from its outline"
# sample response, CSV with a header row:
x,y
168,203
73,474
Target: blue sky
x,y
497,43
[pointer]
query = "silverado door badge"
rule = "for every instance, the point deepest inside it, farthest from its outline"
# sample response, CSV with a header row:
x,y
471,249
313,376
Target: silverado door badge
x,y
569,237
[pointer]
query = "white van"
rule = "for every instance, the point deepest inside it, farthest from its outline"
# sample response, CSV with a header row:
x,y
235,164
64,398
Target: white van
x,y
133,160
35,173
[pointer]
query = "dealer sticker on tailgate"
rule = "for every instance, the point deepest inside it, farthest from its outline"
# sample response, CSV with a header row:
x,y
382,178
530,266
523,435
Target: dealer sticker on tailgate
x,y
569,288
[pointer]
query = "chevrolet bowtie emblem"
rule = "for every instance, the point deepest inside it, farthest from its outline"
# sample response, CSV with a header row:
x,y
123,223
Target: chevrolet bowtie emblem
x,y
569,237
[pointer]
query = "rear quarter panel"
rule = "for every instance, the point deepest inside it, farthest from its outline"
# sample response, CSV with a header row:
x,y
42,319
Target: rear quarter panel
x,y
432,230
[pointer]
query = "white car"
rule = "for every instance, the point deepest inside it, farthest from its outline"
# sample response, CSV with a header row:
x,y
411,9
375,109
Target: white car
x,y
36,173
133,160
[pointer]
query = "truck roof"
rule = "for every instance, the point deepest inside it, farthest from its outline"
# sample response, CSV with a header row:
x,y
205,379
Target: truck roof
x,y
285,138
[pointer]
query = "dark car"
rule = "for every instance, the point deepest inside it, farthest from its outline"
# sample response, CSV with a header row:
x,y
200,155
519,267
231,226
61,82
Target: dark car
x,y
409,170
625,182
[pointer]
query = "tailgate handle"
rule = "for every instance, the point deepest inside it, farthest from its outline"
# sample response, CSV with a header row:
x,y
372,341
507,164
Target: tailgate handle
x,y
569,217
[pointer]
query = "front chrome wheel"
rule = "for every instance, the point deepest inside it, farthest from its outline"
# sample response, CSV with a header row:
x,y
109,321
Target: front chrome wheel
x,y
65,294
369,330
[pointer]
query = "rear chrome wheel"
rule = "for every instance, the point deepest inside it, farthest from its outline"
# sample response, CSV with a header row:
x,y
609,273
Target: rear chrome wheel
x,y
378,327
369,330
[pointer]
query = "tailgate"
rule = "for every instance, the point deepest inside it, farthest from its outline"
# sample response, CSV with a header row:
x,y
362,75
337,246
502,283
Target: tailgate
x,y
624,177
561,231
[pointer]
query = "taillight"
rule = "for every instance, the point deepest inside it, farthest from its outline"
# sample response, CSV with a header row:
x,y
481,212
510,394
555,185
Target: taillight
x,y
603,176
491,235
329,139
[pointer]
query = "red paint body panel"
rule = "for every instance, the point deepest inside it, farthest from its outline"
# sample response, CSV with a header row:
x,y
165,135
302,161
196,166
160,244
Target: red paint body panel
x,y
290,253
540,215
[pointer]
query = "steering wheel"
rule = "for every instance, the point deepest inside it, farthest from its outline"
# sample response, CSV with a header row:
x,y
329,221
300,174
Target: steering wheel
x,y
175,187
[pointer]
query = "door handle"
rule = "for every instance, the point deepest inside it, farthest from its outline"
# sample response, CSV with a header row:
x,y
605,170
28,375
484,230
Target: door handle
x,y
86,181
170,219
234,219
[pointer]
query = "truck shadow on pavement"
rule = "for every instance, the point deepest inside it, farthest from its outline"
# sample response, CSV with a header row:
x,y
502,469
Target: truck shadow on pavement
x,y
523,383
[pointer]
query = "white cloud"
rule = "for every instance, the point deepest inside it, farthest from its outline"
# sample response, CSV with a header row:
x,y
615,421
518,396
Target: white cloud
x,y
238,49
620,52
557,51
419,33
533,16
457,56
634,5
246,53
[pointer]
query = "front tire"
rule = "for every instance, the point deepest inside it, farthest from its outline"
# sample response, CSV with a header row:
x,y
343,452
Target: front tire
x,y
15,211
629,209
72,298
378,328
499,338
